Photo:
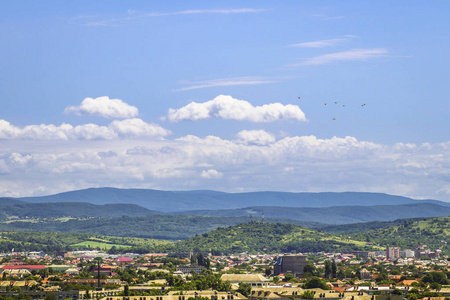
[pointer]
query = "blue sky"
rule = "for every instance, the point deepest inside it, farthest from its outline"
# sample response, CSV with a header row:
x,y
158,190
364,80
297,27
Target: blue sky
x,y
183,95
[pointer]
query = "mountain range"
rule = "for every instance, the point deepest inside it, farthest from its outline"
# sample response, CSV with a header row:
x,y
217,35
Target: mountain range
x,y
176,201
311,209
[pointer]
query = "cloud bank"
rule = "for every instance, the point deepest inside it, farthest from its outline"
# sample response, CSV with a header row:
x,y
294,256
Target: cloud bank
x,y
228,108
129,128
104,107
255,160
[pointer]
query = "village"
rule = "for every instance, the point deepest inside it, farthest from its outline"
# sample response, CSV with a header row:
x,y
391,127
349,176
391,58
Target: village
x,y
95,274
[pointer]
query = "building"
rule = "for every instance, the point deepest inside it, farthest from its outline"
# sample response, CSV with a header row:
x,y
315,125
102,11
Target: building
x,y
290,264
189,269
255,280
364,274
407,253
392,252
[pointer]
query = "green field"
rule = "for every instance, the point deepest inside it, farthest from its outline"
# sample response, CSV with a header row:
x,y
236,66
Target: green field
x,y
95,244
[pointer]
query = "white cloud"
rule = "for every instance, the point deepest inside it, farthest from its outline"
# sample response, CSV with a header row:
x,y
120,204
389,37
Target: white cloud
x,y
350,55
226,107
250,80
255,160
137,128
104,107
323,43
129,128
211,173
299,163
255,137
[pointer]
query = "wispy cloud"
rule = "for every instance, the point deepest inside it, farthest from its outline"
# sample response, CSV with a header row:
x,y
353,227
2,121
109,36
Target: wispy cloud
x,y
326,17
323,43
350,55
133,15
205,11
249,80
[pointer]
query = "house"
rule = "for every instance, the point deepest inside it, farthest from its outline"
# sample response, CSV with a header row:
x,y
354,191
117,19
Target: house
x,y
255,280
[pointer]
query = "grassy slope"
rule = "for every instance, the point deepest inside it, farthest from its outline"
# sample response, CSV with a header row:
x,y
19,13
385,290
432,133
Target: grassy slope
x,y
265,237
433,232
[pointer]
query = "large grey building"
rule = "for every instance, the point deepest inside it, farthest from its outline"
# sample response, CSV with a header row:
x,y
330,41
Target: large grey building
x,y
290,264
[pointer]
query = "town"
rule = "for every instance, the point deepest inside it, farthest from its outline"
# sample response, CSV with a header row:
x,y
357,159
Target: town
x,y
95,274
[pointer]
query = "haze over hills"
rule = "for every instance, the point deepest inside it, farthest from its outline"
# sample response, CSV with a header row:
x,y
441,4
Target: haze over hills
x,y
73,209
176,201
335,214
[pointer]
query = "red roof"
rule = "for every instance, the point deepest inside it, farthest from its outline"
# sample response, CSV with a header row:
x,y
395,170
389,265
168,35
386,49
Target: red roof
x,y
35,267
124,259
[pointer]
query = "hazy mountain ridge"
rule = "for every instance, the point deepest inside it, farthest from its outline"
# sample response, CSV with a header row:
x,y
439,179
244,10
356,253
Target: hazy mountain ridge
x,y
176,201
74,209
335,214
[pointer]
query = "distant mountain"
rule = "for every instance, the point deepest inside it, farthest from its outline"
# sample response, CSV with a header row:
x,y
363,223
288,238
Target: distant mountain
x,y
10,201
173,201
74,209
169,227
334,215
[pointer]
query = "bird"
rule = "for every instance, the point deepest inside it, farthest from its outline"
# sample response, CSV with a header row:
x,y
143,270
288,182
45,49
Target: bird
x,y
363,104
335,102
343,105
298,97
334,119
324,104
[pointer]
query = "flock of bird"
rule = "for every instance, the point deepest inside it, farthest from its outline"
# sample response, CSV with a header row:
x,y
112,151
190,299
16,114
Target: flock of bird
x,y
336,102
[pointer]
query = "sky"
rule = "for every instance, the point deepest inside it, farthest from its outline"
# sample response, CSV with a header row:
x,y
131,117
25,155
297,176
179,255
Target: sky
x,y
234,96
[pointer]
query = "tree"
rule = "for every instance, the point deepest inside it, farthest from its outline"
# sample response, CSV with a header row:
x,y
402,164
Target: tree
x,y
333,269
288,277
328,270
316,282
50,296
244,288
307,295
435,286
438,277
310,268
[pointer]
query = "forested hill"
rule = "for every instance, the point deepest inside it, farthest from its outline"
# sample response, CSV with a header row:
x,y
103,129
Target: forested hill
x,y
74,209
433,232
261,237
170,201
335,215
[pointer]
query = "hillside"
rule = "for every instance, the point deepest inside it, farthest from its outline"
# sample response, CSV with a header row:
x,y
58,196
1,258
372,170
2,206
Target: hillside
x,y
359,227
73,209
51,242
335,215
171,201
267,238
433,232
155,226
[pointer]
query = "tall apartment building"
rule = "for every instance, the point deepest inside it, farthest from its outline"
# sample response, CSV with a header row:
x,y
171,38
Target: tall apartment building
x,y
290,264
392,252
